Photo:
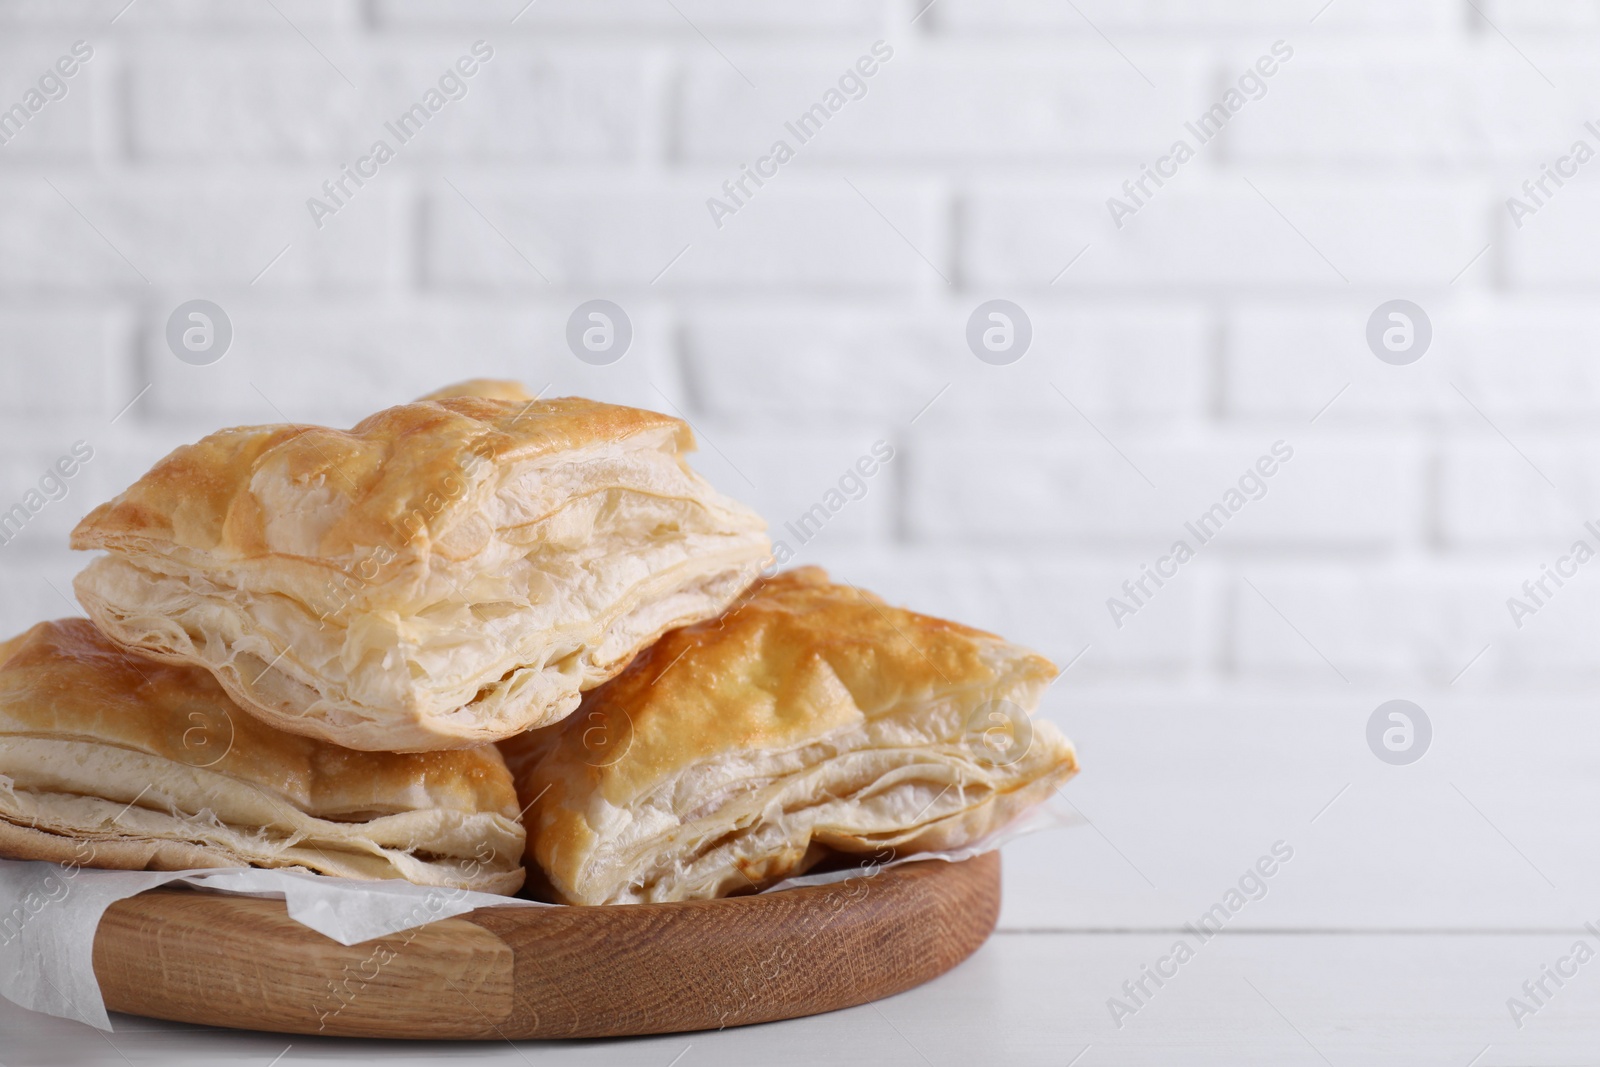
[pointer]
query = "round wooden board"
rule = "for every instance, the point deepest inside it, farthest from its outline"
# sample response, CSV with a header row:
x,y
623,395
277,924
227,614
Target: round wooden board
x,y
221,960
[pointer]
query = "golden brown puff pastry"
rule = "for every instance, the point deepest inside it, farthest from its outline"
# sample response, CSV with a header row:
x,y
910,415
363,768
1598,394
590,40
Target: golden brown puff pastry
x,y
111,759
489,388
446,573
736,752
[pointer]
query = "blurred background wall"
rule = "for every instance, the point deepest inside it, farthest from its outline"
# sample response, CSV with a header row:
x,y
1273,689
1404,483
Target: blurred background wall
x,y
1176,340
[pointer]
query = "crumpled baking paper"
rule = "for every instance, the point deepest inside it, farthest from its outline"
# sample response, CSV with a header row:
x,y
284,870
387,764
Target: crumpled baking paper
x,y
49,912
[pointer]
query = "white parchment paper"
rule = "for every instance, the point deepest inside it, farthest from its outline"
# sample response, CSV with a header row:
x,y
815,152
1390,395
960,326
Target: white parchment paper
x,y
49,912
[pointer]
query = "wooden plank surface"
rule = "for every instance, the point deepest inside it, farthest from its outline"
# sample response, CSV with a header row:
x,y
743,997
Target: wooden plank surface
x,y
1276,1000
1478,834
508,973
210,958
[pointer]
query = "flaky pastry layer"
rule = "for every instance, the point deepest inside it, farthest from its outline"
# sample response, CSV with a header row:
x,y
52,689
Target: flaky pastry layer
x,y
111,759
446,573
810,718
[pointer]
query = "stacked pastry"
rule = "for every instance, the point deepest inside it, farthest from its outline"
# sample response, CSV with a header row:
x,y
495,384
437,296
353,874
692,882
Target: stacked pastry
x,y
303,645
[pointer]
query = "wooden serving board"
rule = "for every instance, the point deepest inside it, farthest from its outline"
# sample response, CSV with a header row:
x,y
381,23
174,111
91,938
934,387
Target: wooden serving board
x,y
511,973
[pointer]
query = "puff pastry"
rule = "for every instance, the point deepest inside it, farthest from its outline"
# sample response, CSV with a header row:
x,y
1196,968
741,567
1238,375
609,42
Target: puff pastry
x,y
446,573
488,388
811,717
110,759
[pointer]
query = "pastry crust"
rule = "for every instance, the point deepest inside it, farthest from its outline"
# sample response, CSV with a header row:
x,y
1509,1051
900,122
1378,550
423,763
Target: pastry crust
x,y
811,717
114,760
489,388
446,573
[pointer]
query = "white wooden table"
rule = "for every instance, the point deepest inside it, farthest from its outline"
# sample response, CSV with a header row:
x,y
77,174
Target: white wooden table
x,y
1036,998
1419,899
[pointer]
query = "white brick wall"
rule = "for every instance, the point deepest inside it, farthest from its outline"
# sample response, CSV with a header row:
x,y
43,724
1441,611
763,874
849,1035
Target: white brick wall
x,y
995,102
829,311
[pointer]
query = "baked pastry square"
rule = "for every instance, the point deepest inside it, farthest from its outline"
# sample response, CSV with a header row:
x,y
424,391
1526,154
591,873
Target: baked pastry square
x,y
110,759
446,573
488,388
811,717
